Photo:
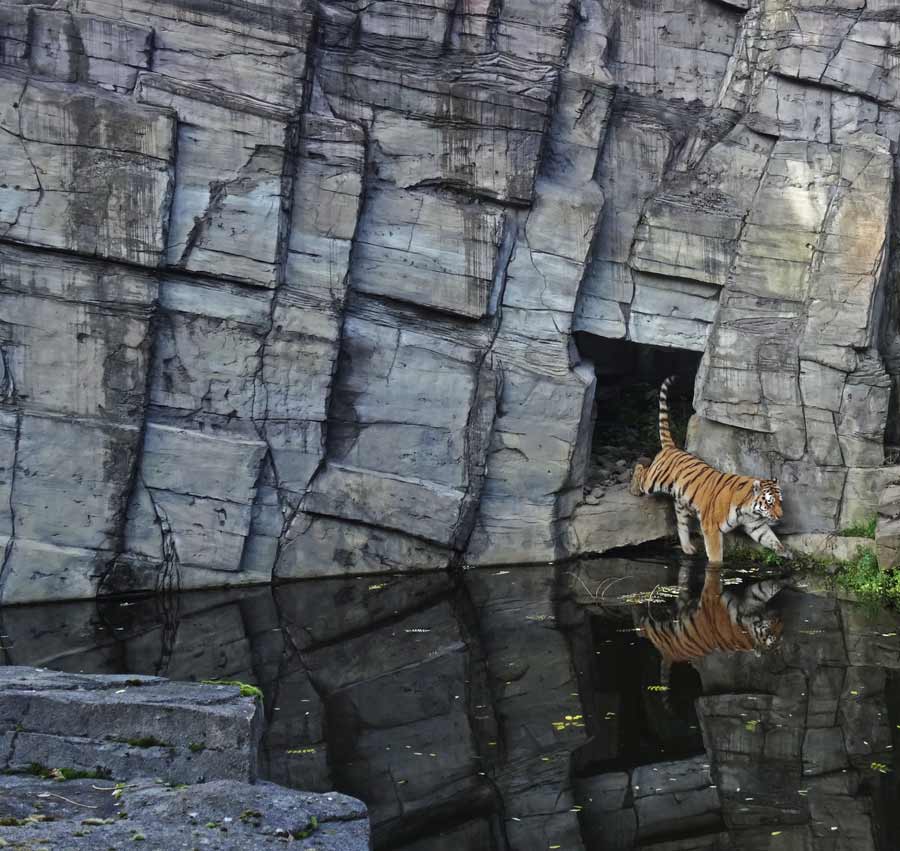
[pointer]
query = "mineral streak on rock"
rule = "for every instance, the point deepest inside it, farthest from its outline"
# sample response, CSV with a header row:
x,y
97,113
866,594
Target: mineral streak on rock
x,y
300,282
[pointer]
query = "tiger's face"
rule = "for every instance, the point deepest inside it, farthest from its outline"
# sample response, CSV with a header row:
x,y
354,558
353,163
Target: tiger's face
x,y
767,500
766,631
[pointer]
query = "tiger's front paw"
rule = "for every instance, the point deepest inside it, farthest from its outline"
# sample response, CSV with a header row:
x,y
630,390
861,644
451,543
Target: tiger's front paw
x,y
689,549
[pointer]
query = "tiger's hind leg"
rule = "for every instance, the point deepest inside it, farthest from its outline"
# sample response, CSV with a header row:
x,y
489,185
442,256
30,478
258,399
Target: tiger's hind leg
x,y
637,480
683,518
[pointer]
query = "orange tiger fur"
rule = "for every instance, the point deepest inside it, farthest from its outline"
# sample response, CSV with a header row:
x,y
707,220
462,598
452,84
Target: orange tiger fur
x,y
721,501
719,619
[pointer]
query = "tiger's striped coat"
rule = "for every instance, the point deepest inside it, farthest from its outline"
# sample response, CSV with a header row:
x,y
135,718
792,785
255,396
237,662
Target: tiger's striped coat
x,y
721,501
719,619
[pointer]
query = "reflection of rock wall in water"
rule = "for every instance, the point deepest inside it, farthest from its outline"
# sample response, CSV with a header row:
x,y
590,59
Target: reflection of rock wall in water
x,y
509,711
290,289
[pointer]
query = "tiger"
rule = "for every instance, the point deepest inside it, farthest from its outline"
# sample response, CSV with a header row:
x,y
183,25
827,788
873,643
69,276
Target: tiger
x,y
721,501
718,619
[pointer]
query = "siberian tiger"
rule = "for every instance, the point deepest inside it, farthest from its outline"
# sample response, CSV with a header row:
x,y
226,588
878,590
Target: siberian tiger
x,y
721,501
719,619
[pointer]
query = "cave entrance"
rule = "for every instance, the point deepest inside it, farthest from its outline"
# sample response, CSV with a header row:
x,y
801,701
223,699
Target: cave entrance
x,y
626,404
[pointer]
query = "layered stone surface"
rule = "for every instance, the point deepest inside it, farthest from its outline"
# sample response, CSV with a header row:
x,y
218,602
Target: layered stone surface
x,y
126,727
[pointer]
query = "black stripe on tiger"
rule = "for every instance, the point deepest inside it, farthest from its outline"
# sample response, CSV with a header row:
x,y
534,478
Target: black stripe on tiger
x,y
665,435
721,501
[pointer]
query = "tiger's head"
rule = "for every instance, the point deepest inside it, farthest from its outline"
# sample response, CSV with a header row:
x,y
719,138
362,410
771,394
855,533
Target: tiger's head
x,y
765,630
766,501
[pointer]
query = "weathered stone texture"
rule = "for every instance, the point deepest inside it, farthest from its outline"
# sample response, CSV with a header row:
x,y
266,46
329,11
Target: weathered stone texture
x,y
368,235
128,727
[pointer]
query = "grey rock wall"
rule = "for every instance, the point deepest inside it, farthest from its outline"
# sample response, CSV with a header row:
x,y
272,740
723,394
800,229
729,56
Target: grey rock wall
x,y
291,289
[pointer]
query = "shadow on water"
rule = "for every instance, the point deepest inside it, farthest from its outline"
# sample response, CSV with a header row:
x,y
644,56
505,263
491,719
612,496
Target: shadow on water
x,y
603,704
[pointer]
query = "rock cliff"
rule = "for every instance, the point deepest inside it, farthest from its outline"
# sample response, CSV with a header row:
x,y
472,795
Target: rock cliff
x,y
293,288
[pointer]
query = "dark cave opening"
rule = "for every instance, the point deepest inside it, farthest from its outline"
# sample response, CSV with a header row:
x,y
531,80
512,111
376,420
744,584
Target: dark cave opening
x,y
626,404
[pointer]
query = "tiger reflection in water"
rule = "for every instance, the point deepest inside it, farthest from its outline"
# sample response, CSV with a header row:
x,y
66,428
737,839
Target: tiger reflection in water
x,y
720,618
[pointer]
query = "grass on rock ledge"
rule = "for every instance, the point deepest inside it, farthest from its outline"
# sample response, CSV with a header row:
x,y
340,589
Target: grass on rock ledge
x,y
862,529
247,690
860,576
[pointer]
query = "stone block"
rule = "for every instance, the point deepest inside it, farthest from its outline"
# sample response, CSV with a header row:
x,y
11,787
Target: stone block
x,y
421,508
208,348
862,492
328,546
84,172
172,815
404,398
825,687
227,46
861,420
690,45
619,519
35,572
200,521
85,48
94,722
429,250
823,751
674,796
871,637
887,529
76,334
861,715
59,497
497,110
227,203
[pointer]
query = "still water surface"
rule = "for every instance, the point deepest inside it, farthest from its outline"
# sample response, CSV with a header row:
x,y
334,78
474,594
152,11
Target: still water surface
x,y
518,709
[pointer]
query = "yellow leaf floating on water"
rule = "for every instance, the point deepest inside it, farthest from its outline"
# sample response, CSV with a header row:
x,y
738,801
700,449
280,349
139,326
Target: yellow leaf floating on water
x,y
301,750
880,767
776,833
657,688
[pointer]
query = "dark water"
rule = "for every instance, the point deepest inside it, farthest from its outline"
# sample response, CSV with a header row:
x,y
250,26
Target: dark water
x,y
520,709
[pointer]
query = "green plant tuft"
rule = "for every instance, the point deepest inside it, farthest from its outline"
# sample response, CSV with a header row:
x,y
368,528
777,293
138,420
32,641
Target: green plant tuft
x,y
196,747
246,689
147,742
67,773
873,587
311,827
863,529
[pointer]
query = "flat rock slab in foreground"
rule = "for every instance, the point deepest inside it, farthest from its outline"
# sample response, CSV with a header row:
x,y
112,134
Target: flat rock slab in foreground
x,y
223,815
127,726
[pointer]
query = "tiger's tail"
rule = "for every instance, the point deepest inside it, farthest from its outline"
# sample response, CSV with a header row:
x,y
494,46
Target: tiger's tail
x,y
665,436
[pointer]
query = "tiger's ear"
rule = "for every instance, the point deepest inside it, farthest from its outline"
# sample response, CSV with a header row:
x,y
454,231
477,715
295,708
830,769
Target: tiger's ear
x,y
757,487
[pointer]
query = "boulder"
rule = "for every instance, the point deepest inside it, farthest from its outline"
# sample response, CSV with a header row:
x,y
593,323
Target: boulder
x,y
127,726
86,815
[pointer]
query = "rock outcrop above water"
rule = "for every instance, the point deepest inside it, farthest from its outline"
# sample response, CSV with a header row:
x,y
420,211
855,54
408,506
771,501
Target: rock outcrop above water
x,y
292,289
127,727
97,762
